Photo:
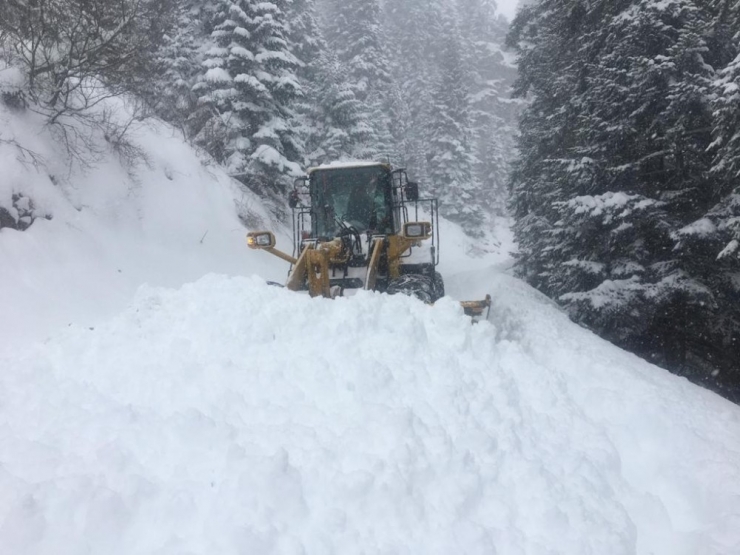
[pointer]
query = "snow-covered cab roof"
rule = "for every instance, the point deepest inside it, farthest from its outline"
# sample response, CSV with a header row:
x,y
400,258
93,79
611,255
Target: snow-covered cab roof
x,y
348,164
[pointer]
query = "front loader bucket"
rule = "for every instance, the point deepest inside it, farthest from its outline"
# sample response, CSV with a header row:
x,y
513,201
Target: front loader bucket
x,y
475,309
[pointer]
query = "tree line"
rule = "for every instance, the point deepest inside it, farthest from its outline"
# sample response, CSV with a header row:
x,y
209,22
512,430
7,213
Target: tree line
x,y
626,192
271,87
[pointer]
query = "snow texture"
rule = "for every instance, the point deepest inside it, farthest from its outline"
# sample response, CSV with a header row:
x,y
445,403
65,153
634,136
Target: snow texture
x,y
217,75
703,228
230,416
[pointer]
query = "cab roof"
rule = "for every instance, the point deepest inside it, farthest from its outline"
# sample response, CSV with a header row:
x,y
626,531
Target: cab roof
x,y
348,164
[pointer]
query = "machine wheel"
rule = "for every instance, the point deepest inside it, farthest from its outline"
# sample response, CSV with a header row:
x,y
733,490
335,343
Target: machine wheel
x,y
413,285
439,286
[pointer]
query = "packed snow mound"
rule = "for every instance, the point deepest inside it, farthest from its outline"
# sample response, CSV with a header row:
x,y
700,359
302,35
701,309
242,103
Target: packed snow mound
x,y
230,416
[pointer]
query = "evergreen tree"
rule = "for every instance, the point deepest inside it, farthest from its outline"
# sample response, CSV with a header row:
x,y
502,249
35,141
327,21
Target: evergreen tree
x,y
545,39
492,114
354,34
446,49
179,65
712,242
304,34
726,102
415,28
336,124
612,190
250,84
450,157
330,114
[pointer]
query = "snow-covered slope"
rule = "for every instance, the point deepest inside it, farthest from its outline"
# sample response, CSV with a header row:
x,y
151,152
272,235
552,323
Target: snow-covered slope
x,y
167,220
224,416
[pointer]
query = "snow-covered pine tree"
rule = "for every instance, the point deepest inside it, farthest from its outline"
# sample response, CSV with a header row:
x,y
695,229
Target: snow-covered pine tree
x,y
250,85
332,124
726,100
544,37
419,32
450,155
335,119
414,28
179,64
354,34
306,42
493,114
612,184
303,33
712,242
643,134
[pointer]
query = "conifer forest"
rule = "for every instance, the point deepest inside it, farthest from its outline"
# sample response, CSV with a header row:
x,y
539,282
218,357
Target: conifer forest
x,y
626,192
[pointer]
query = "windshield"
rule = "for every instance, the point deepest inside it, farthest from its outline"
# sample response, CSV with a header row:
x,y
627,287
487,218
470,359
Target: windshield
x,y
359,197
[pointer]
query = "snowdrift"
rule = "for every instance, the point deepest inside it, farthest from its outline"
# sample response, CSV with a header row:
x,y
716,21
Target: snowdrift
x,y
166,218
230,416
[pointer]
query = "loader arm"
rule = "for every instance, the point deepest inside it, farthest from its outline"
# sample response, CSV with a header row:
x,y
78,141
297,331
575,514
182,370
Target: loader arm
x,y
298,274
372,267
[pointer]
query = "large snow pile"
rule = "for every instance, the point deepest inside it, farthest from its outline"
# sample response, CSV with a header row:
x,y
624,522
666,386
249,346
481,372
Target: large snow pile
x,y
230,416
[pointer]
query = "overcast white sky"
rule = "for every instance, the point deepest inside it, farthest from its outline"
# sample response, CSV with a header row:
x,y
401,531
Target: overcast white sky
x,y
508,8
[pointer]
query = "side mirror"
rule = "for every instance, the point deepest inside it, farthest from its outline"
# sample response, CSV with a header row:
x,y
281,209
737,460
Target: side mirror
x,y
412,191
260,240
293,199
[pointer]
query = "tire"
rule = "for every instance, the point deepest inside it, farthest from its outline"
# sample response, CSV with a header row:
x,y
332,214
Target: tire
x,y
438,286
413,285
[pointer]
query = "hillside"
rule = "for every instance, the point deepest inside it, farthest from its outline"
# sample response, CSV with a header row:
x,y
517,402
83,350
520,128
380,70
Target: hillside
x,y
166,218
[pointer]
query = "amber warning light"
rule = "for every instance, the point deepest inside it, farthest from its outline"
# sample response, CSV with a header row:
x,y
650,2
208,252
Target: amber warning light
x,y
260,240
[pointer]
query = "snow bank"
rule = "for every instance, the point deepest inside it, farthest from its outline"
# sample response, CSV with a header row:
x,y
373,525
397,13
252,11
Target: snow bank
x,y
676,446
233,417
169,219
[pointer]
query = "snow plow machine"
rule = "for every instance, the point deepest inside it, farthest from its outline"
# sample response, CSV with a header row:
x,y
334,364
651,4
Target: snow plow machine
x,y
362,225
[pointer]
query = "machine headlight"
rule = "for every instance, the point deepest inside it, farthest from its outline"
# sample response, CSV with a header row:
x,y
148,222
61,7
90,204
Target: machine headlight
x,y
417,229
260,240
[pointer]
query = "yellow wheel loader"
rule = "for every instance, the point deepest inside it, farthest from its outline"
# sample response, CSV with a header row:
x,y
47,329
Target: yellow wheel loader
x,y
362,225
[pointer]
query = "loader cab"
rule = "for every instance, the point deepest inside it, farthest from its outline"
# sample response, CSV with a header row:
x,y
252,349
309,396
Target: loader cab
x,y
358,196
362,225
